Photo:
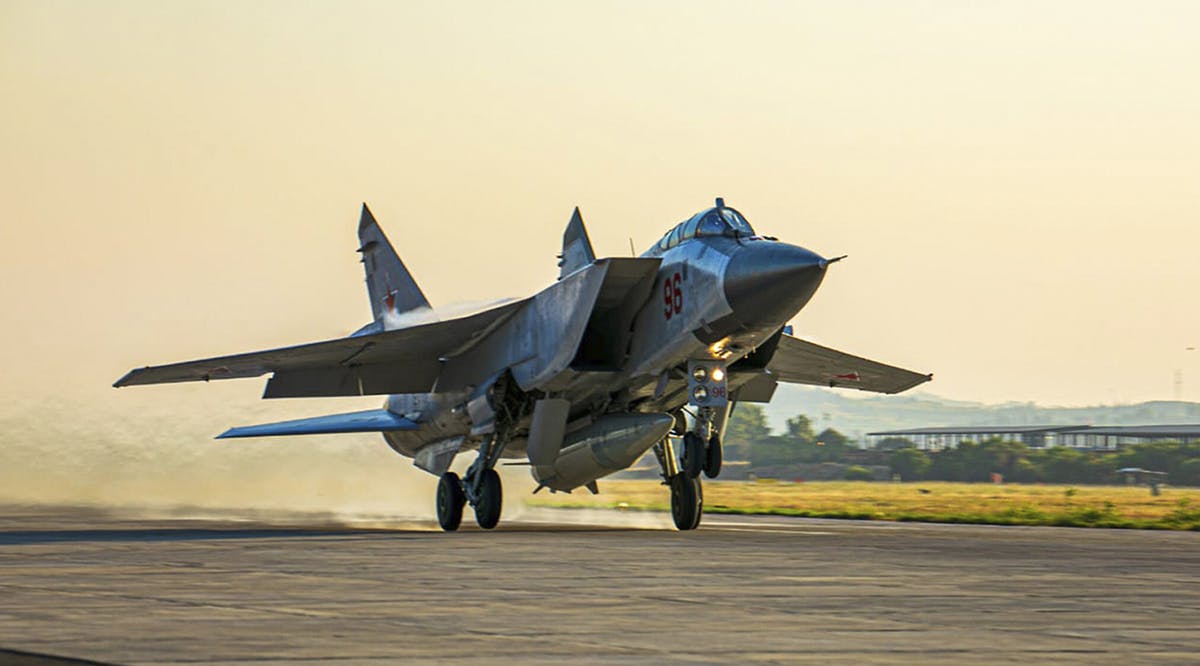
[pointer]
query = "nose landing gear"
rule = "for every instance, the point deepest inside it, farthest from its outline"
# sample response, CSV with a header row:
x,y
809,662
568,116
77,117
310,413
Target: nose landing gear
x,y
702,452
687,495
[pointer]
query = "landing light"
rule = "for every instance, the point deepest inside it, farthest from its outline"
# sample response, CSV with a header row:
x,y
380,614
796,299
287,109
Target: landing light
x,y
718,375
700,373
700,394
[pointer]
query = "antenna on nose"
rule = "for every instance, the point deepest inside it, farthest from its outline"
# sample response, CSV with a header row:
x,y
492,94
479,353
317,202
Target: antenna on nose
x,y
720,202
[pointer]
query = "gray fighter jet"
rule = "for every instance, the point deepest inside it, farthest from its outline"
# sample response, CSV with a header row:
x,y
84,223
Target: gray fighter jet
x,y
618,357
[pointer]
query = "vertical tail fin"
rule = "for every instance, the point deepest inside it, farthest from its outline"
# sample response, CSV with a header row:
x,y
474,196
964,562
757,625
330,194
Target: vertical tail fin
x,y
389,284
577,250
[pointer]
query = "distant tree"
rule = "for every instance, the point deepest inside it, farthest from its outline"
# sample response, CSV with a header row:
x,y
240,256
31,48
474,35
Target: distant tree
x,y
780,450
831,437
799,428
911,464
747,428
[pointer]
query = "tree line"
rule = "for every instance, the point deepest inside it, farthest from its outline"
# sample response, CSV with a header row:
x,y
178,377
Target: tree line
x,y
748,437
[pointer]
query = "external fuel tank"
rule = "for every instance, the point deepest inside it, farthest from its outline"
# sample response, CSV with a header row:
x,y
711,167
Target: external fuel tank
x,y
610,444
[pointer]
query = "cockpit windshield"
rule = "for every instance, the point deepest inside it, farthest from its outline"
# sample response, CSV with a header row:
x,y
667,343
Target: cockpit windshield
x,y
719,221
735,220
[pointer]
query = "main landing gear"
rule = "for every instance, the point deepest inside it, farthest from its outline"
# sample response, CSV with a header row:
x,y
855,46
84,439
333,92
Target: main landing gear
x,y
480,487
486,497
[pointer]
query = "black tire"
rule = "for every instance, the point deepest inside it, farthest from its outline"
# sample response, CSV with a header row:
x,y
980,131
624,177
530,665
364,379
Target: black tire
x,y
693,454
713,455
491,498
450,501
687,502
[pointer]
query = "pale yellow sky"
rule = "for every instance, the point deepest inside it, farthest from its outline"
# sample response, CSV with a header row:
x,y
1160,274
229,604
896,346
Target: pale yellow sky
x,y
1017,183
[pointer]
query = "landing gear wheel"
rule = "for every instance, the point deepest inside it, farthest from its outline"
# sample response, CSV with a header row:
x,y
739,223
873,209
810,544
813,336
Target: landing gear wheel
x,y
687,501
450,500
693,454
487,509
713,457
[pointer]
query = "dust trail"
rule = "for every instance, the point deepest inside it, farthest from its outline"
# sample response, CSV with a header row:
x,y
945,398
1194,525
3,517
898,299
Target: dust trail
x,y
146,461
147,455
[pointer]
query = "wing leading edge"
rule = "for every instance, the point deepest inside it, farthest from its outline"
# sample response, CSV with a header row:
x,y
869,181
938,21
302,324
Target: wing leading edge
x,y
801,362
406,360
372,420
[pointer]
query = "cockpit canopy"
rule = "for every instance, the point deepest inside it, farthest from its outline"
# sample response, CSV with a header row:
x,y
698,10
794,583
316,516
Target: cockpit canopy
x,y
717,221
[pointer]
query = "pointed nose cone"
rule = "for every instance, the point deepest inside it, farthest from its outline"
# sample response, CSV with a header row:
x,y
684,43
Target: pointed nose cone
x,y
767,283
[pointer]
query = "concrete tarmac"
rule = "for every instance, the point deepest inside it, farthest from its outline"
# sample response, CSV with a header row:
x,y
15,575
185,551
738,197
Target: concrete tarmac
x,y
596,587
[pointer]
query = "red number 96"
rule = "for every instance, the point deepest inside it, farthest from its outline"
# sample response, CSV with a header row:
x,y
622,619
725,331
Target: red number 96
x,y
672,296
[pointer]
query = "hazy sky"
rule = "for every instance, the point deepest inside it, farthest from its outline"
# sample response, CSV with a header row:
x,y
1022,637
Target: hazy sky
x,y
1017,183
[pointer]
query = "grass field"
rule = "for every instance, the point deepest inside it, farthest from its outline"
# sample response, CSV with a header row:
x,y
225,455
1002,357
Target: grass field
x,y
1007,504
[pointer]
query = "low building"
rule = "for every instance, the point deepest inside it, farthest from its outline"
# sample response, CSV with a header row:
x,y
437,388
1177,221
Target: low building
x,y
1075,436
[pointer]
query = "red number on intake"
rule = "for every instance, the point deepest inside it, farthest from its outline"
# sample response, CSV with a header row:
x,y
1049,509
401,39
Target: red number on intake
x,y
672,296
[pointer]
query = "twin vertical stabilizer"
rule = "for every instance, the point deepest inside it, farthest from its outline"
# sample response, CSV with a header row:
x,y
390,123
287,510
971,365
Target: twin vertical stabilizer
x,y
577,250
390,286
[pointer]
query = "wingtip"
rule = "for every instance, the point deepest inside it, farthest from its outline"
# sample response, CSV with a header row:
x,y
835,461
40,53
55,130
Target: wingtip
x,y
125,378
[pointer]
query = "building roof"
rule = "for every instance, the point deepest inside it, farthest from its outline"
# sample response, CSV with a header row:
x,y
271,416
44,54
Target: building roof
x,y
1190,431
1160,431
980,430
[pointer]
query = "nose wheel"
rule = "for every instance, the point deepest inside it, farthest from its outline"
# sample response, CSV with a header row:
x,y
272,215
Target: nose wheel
x,y
687,501
693,454
713,457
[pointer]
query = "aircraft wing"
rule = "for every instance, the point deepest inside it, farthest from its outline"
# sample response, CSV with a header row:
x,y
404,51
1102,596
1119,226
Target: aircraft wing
x,y
800,362
372,420
406,360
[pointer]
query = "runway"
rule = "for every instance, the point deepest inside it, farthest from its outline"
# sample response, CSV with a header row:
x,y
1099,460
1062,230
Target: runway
x,y
610,588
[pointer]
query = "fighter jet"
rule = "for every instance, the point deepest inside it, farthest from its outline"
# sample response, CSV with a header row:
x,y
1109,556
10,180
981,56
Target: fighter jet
x,y
619,356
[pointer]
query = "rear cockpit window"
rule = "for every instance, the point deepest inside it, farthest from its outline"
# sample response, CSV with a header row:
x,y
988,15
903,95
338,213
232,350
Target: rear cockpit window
x,y
676,236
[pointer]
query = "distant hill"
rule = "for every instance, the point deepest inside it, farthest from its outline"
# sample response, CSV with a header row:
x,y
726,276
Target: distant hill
x,y
860,414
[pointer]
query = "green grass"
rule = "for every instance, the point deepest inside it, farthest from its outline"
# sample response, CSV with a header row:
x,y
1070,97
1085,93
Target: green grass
x,y
937,502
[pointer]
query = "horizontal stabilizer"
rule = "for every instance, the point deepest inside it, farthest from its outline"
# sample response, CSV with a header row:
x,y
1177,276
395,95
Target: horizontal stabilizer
x,y
372,420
